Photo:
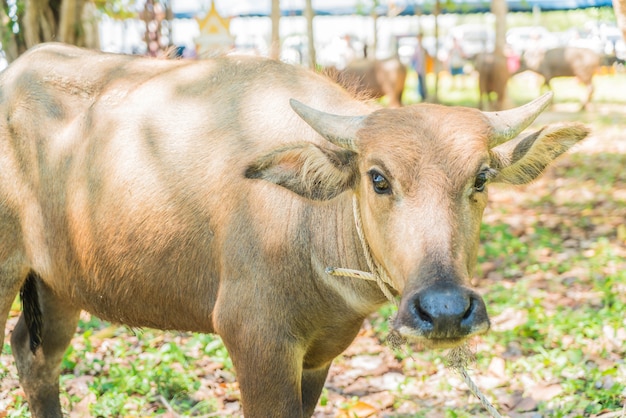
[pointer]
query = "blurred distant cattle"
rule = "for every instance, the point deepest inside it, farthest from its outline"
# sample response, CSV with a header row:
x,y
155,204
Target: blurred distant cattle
x,y
373,79
493,75
567,61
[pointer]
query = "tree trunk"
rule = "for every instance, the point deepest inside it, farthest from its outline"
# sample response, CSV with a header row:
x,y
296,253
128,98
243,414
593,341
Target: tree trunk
x,y
310,35
437,68
90,34
69,21
499,9
275,41
13,44
372,53
70,13
620,14
500,71
39,23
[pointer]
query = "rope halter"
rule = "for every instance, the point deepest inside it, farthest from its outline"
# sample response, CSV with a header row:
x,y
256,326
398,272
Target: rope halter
x,y
378,272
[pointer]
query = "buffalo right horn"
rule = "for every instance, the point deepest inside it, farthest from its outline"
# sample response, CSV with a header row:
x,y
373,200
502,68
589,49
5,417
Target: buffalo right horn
x,y
340,130
509,123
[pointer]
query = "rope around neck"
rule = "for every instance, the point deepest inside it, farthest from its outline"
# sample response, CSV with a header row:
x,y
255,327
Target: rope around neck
x,y
378,272
457,358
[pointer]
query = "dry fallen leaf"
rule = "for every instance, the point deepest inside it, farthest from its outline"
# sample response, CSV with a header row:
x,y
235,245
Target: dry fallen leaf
x,y
497,367
360,409
547,392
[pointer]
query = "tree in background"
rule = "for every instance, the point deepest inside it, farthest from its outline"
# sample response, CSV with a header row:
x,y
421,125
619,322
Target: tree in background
x,y
309,13
13,43
28,23
275,36
500,71
619,6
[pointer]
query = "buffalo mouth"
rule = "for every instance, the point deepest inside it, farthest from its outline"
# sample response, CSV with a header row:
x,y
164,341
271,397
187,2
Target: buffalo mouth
x,y
409,335
443,315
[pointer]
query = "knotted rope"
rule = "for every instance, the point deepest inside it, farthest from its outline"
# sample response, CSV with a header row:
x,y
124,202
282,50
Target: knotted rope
x,y
378,272
457,359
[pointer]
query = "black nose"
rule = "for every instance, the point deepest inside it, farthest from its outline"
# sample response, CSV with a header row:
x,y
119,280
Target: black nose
x,y
448,311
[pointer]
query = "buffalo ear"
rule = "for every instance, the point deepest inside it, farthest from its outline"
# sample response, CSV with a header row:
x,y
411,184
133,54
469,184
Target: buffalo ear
x,y
308,170
523,159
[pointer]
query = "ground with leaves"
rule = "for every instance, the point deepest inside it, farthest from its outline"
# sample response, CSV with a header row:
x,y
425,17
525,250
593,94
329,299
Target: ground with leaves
x,y
553,274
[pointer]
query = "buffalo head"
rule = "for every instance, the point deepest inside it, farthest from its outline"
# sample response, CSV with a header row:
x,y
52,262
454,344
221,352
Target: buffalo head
x,y
420,177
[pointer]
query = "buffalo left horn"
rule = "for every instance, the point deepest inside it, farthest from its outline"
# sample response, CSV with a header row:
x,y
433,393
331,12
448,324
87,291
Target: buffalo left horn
x,y
340,130
509,123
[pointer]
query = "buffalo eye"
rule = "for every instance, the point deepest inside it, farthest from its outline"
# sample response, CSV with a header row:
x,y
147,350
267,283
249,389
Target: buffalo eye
x,y
480,182
380,183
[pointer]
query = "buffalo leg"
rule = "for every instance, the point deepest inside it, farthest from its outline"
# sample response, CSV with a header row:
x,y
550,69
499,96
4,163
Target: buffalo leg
x,y
10,282
312,385
12,265
590,90
38,360
269,382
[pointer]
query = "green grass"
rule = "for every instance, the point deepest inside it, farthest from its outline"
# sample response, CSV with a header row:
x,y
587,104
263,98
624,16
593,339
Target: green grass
x,y
138,372
568,343
166,374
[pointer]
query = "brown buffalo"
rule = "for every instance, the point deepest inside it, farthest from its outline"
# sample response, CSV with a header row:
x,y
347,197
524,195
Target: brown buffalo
x,y
187,195
568,61
373,79
493,76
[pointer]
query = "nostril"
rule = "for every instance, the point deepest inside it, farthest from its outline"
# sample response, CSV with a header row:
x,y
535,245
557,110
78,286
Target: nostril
x,y
423,315
470,310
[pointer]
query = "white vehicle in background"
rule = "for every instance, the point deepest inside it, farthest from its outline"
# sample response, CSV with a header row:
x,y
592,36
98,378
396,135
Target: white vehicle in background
x,y
473,38
605,38
523,38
